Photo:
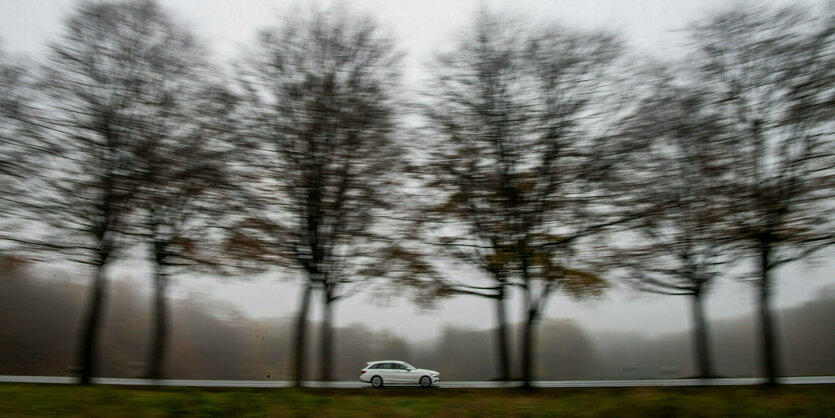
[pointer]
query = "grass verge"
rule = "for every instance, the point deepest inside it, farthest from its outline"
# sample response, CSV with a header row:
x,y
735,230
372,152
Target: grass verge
x,y
21,400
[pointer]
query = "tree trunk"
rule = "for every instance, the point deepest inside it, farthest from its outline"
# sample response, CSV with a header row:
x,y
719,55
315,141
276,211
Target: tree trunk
x,y
527,350
159,334
701,338
501,338
301,333
767,322
91,326
327,338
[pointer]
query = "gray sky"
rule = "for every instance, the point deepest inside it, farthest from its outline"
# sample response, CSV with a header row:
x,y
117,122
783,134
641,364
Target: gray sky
x,y
424,26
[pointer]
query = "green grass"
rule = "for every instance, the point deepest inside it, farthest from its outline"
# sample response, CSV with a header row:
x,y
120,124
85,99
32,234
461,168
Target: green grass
x,y
18,400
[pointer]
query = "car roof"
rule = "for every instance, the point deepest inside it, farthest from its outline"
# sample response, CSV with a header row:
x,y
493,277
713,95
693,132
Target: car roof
x,y
384,361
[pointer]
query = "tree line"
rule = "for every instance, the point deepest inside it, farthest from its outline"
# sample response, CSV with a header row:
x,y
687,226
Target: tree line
x,y
547,159
39,314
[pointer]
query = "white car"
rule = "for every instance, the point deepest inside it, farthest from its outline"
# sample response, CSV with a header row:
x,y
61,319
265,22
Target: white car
x,y
397,372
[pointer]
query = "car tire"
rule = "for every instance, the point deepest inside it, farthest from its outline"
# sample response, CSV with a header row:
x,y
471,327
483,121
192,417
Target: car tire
x,y
426,381
377,381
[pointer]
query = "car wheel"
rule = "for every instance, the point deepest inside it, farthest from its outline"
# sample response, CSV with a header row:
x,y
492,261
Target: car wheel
x,y
376,381
425,381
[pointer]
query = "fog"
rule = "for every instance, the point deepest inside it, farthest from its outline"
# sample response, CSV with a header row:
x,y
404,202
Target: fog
x,y
211,339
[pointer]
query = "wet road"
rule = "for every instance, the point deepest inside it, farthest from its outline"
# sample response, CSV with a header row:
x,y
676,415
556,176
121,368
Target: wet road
x,y
806,380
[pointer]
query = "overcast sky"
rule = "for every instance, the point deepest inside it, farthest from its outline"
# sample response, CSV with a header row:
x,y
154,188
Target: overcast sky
x,y
424,26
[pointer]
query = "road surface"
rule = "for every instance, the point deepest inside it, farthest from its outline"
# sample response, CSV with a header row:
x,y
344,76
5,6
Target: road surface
x,y
805,380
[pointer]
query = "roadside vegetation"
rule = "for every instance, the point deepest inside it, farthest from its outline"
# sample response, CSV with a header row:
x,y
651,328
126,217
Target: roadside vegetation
x,y
99,401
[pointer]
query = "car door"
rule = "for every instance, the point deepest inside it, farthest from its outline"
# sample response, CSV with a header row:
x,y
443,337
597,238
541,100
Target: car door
x,y
399,373
393,375
379,369
405,375
410,375
389,373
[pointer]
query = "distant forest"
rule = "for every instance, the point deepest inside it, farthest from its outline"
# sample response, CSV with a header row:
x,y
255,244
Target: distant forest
x,y
39,319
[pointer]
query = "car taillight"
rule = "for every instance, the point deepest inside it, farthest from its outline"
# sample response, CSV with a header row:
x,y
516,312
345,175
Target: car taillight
x,y
362,371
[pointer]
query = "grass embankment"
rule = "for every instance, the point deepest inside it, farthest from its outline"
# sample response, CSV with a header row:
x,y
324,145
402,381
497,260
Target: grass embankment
x,y
106,401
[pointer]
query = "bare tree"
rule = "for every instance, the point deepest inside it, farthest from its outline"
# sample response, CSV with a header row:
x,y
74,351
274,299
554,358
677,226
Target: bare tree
x,y
184,188
517,113
322,150
105,81
462,215
187,200
676,171
767,71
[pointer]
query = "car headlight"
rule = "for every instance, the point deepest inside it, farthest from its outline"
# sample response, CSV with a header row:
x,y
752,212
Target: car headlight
x,y
435,374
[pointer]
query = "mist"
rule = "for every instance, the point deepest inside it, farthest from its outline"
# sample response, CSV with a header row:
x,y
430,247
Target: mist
x,y
39,319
